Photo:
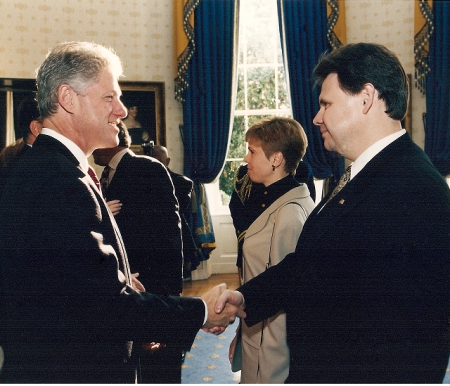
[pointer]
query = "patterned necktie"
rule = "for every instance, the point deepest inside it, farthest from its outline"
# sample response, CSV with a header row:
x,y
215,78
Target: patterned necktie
x,y
104,179
342,182
94,178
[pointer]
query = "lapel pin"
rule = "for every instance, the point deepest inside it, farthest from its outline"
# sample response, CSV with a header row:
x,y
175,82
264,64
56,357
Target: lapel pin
x,y
342,202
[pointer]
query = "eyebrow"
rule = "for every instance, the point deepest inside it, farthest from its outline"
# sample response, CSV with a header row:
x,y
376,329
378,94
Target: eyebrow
x,y
323,101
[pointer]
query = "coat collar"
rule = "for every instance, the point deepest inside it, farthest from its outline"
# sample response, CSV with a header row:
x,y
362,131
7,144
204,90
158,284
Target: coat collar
x,y
297,194
325,217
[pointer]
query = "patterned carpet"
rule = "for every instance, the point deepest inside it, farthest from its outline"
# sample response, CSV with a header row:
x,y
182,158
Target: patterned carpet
x,y
207,362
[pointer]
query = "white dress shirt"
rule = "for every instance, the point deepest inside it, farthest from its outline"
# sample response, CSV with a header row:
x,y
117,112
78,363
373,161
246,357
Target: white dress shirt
x,y
372,151
74,149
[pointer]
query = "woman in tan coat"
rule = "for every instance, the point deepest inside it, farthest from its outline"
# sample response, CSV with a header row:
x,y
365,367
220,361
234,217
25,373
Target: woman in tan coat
x,y
278,209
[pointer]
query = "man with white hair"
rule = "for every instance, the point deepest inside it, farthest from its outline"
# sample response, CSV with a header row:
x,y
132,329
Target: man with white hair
x,y
71,308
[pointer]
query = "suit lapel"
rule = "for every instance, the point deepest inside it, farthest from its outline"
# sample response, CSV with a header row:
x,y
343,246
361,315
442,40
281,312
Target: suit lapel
x,y
356,192
121,167
125,266
48,141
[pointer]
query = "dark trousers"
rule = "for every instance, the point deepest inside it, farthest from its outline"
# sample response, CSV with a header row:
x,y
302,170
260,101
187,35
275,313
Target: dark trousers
x,y
161,366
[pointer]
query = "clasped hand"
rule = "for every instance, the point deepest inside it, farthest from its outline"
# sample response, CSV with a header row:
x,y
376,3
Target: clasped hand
x,y
223,307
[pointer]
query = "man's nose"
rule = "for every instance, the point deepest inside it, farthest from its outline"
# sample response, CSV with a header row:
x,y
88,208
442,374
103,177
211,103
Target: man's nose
x,y
318,118
120,110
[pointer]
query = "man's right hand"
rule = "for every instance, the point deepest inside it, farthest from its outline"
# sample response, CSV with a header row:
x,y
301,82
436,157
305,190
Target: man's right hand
x,y
223,307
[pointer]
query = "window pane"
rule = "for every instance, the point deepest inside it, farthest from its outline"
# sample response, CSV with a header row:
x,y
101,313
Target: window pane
x,y
261,43
226,180
258,9
240,96
261,82
252,119
279,51
241,54
283,99
261,88
237,144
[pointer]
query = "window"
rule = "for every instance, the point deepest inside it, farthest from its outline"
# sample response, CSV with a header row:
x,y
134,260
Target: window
x,y
261,90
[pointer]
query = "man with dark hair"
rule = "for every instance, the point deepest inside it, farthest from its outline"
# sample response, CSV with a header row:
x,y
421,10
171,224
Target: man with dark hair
x,y
72,312
366,291
27,129
149,218
149,222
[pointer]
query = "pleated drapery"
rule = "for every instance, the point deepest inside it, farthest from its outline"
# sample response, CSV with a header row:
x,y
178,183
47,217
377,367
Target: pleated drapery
x,y
423,29
437,123
184,44
206,86
209,99
306,34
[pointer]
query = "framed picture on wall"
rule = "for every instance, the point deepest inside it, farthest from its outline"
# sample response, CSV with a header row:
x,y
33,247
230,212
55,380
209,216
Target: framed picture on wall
x,y
148,98
146,120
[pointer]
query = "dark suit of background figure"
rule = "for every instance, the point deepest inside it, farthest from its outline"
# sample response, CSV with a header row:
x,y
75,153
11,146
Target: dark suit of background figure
x,y
68,313
183,191
149,222
245,200
27,129
352,289
304,175
150,225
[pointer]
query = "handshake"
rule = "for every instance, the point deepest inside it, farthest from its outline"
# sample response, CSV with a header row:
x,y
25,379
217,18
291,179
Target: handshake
x,y
223,307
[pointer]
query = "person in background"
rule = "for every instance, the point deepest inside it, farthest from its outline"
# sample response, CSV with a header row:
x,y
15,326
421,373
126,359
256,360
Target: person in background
x,y
183,191
146,193
246,195
366,290
71,309
149,222
275,147
27,129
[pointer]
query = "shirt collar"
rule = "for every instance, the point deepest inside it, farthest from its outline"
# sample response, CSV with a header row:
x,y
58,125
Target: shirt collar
x,y
74,149
372,151
116,159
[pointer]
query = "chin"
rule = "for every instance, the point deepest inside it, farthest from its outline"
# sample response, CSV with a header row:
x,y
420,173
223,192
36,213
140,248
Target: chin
x,y
112,142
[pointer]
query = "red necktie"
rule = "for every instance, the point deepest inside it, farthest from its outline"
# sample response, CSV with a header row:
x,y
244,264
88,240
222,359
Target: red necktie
x,y
92,174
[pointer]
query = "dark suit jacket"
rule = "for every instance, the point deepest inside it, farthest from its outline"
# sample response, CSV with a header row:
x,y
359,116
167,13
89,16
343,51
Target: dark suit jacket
x,y
183,191
149,221
5,171
67,310
367,290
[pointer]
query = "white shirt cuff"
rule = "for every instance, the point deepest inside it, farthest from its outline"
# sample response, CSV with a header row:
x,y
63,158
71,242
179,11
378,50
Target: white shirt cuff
x,y
206,313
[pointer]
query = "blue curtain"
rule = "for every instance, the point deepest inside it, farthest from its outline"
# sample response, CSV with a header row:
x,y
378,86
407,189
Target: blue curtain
x,y
208,99
303,30
207,106
437,125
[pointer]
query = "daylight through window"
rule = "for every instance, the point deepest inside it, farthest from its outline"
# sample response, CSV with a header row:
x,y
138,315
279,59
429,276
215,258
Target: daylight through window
x,y
261,90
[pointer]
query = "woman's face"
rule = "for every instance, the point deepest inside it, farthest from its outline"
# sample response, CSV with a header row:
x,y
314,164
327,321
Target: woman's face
x,y
259,167
133,111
